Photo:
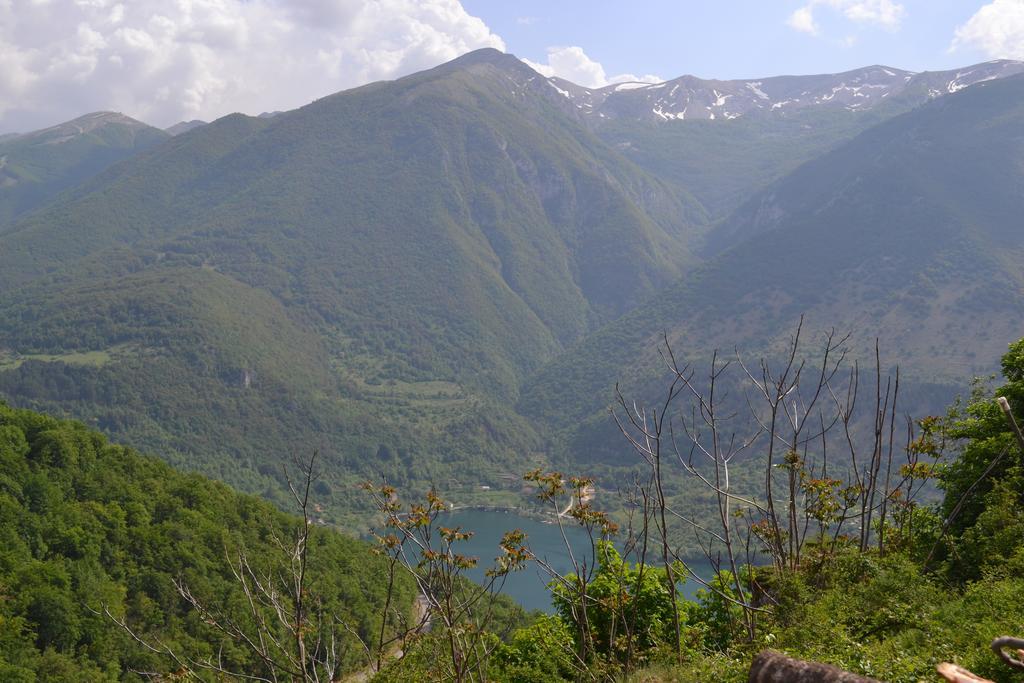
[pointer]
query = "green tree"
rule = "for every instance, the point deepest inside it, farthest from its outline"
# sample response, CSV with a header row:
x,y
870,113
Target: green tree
x,y
628,607
543,651
985,482
88,527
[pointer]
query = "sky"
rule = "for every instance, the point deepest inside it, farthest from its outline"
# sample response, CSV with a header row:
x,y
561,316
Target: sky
x,y
164,61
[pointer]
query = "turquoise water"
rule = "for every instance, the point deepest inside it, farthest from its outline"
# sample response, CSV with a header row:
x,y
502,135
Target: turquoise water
x,y
528,587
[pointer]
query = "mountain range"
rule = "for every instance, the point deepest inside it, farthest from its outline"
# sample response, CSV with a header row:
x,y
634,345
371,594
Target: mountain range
x,y
440,279
689,98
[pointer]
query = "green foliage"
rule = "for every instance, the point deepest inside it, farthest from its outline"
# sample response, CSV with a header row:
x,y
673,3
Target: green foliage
x,y
986,440
221,378
716,620
543,651
86,526
879,617
883,617
997,534
628,607
887,616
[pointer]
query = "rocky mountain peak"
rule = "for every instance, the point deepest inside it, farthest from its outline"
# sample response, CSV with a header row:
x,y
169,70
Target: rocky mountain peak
x,y
82,125
693,98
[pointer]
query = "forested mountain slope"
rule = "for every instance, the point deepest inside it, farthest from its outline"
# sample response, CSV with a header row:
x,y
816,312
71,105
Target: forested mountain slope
x,y
379,272
466,176
374,273
909,233
87,526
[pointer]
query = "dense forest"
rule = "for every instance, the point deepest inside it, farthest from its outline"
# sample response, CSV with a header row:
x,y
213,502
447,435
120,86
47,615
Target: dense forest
x,y
95,534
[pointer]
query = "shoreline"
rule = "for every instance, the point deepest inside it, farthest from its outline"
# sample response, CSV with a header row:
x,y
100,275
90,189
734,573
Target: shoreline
x,y
530,513
507,509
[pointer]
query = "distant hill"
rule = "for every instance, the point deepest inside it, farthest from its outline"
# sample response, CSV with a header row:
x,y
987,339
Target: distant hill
x,y
184,126
689,98
35,167
725,140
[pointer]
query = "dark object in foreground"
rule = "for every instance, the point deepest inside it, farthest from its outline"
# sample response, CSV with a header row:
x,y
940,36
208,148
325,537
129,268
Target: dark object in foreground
x,y
1003,643
775,667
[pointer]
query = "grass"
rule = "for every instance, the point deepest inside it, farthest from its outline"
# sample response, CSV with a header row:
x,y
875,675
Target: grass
x,y
11,360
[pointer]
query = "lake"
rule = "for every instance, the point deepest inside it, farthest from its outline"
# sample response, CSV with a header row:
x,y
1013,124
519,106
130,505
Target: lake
x,y
528,587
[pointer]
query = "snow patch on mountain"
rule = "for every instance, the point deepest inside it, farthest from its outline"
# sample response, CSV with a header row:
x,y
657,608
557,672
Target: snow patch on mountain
x,y
688,97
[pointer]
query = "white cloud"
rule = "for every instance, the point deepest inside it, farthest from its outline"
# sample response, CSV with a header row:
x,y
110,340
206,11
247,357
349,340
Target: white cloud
x,y
885,13
803,20
167,60
997,29
573,64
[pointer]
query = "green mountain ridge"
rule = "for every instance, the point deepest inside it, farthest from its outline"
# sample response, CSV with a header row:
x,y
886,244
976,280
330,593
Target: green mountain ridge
x,y
35,167
384,265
